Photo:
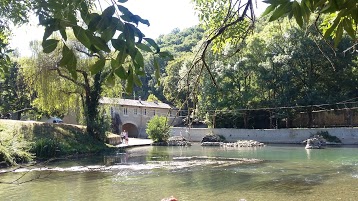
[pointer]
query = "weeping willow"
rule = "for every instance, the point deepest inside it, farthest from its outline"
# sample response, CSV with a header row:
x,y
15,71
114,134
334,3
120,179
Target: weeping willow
x,y
53,94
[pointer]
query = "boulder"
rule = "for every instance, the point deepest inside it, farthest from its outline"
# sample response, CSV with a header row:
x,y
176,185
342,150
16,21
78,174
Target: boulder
x,y
178,141
315,142
211,138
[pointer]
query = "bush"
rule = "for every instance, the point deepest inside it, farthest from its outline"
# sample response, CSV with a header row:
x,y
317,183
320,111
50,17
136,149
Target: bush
x,y
328,137
14,149
47,148
158,129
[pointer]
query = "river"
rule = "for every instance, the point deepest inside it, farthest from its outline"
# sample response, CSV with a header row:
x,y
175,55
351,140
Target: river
x,y
286,172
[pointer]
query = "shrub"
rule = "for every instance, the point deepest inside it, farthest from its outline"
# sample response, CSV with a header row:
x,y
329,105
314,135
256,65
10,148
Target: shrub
x,y
328,137
47,148
158,129
14,148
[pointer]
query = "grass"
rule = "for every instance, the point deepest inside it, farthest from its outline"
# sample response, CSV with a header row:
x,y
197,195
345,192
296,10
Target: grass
x,y
21,141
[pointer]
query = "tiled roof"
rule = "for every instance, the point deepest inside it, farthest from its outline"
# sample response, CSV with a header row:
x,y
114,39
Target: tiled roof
x,y
131,102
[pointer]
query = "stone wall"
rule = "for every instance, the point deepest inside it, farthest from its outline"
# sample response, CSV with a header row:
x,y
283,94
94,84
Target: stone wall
x,y
285,136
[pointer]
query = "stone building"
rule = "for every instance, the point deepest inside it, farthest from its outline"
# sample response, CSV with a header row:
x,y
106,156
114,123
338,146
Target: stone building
x,y
133,115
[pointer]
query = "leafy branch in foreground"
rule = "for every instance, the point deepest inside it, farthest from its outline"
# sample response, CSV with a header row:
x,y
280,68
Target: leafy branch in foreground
x,y
338,16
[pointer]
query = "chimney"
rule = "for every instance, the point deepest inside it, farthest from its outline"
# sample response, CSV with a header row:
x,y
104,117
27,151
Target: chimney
x,y
139,99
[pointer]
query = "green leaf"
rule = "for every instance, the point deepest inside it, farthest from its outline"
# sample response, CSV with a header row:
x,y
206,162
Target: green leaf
x,y
280,11
329,31
157,69
136,19
306,13
49,45
48,32
121,47
143,47
296,8
139,60
121,72
137,81
269,9
95,20
100,44
111,80
66,56
108,33
153,44
63,34
166,55
129,35
339,34
69,61
129,86
108,12
98,66
81,36
348,26
124,11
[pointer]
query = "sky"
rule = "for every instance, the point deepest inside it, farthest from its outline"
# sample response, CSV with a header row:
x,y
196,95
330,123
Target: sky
x,y
163,16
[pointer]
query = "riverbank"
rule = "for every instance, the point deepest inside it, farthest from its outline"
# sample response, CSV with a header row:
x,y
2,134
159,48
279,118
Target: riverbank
x,y
22,141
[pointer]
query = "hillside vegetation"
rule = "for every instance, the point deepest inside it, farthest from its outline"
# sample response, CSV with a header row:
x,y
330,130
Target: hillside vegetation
x,y
23,141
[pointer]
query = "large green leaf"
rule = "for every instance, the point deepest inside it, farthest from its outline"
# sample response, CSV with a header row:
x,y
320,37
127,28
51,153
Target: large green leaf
x,y
143,47
129,86
280,11
269,9
81,36
69,61
111,80
95,20
108,33
121,72
121,47
137,81
153,44
348,26
100,43
296,9
49,45
166,55
129,35
157,69
339,34
98,66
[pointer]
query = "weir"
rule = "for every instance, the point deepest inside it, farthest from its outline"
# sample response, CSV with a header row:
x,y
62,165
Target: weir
x,y
347,135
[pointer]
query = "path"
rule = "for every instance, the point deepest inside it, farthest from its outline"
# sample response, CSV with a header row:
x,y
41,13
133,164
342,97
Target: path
x,y
134,142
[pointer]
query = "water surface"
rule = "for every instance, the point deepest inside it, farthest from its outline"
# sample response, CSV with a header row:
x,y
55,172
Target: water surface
x,y
288,172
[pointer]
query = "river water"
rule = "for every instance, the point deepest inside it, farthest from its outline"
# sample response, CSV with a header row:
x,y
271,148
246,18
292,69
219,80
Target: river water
x,y
286,172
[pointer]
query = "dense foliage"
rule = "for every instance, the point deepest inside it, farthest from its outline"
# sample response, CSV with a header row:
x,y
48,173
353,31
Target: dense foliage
x,y
158,129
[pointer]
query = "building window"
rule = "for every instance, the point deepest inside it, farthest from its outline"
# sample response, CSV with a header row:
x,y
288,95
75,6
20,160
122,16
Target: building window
x,y
154,112
145,111
135,111
125,111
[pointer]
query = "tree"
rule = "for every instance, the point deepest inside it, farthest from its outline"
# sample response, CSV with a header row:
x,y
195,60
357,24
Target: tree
x,y
110,38
158,129
14,93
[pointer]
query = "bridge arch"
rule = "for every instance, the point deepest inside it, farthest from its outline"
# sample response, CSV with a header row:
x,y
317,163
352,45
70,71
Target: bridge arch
x,y
132,129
